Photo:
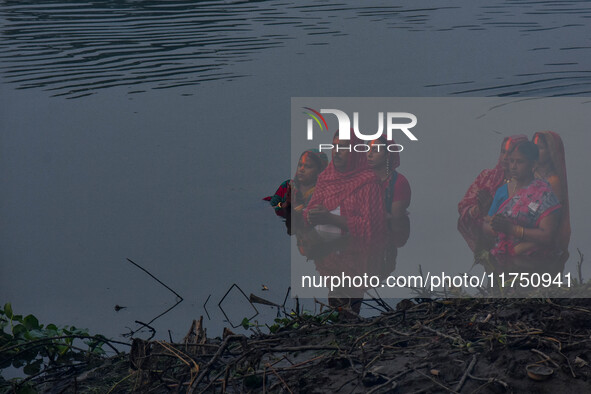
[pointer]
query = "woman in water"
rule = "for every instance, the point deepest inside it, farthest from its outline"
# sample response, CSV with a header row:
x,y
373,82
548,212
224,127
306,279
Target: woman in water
x,y
347,202
552,167
477,201
525,223
297,193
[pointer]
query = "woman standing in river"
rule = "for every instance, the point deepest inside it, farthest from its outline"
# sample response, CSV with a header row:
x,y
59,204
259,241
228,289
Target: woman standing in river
x,y
525,223
476,203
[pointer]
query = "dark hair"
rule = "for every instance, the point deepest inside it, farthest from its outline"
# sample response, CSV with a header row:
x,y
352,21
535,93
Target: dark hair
x,y
314,158
528,149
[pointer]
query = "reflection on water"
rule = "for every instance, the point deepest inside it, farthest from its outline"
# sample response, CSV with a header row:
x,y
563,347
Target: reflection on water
x,y
75,48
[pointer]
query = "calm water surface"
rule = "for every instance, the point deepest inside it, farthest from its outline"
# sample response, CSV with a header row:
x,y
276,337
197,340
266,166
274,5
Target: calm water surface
x,y
150,130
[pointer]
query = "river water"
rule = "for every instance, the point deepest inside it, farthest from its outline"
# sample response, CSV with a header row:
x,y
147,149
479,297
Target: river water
x,y
151,130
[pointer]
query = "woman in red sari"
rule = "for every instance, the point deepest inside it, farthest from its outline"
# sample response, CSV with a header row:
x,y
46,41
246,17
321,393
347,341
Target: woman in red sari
x,y
552,167
477,201
348,194
348,204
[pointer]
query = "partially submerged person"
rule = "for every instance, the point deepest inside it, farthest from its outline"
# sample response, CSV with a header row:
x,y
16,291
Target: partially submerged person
x,y
551,166
347,202
478,199
296,194
396,187
526,222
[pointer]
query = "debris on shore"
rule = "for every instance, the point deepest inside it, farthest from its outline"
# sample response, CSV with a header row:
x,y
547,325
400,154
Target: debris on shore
x,y
455,345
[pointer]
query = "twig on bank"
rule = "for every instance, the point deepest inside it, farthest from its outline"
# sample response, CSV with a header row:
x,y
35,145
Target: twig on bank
x,y
439,333
436,382
489,380
279,377
215,357
389,381
545,356
466,373
119,382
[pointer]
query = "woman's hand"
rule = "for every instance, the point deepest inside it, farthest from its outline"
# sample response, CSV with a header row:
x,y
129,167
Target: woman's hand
x,y
484,201
502,224
319,215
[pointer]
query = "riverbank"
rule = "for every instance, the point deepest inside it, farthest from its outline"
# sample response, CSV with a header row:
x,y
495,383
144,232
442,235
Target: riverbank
x,y
460,345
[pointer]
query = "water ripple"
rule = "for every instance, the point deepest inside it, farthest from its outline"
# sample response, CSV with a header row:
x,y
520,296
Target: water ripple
x,y
77,48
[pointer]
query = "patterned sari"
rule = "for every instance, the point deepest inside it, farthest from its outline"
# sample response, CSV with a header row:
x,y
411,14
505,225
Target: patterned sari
x,y
526,208
356,191
470,220
357,195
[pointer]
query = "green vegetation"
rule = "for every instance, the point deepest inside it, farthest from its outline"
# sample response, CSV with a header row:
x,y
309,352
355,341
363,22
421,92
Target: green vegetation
x,y
27,344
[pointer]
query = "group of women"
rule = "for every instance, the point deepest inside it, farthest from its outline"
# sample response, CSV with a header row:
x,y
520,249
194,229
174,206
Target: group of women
x,y
350,216
515,217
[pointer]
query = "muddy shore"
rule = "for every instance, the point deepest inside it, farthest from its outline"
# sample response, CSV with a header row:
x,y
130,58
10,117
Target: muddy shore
x,y
421,346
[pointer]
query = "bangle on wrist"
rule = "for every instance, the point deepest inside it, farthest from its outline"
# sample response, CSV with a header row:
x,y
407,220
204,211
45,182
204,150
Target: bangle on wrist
x,y
517,231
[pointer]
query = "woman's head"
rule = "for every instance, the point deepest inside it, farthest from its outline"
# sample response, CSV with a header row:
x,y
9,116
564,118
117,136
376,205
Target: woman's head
x,y
507,147
542,144
522,160
344,156
551,149
379,157
311,164
341,154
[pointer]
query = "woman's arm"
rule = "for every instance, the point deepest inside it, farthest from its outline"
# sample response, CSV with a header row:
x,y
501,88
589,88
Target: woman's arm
x,y
542,234
487,228
401,197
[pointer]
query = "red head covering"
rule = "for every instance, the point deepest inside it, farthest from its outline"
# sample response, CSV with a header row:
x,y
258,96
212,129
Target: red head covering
x,y
334,186
560,188
490,180
357,192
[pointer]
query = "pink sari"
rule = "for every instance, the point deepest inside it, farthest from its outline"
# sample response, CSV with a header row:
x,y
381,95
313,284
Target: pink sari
x,y
526,208
470,224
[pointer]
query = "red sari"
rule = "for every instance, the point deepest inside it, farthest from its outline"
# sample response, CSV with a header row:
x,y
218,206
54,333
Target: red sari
x,y
356,191
560,188
359,195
